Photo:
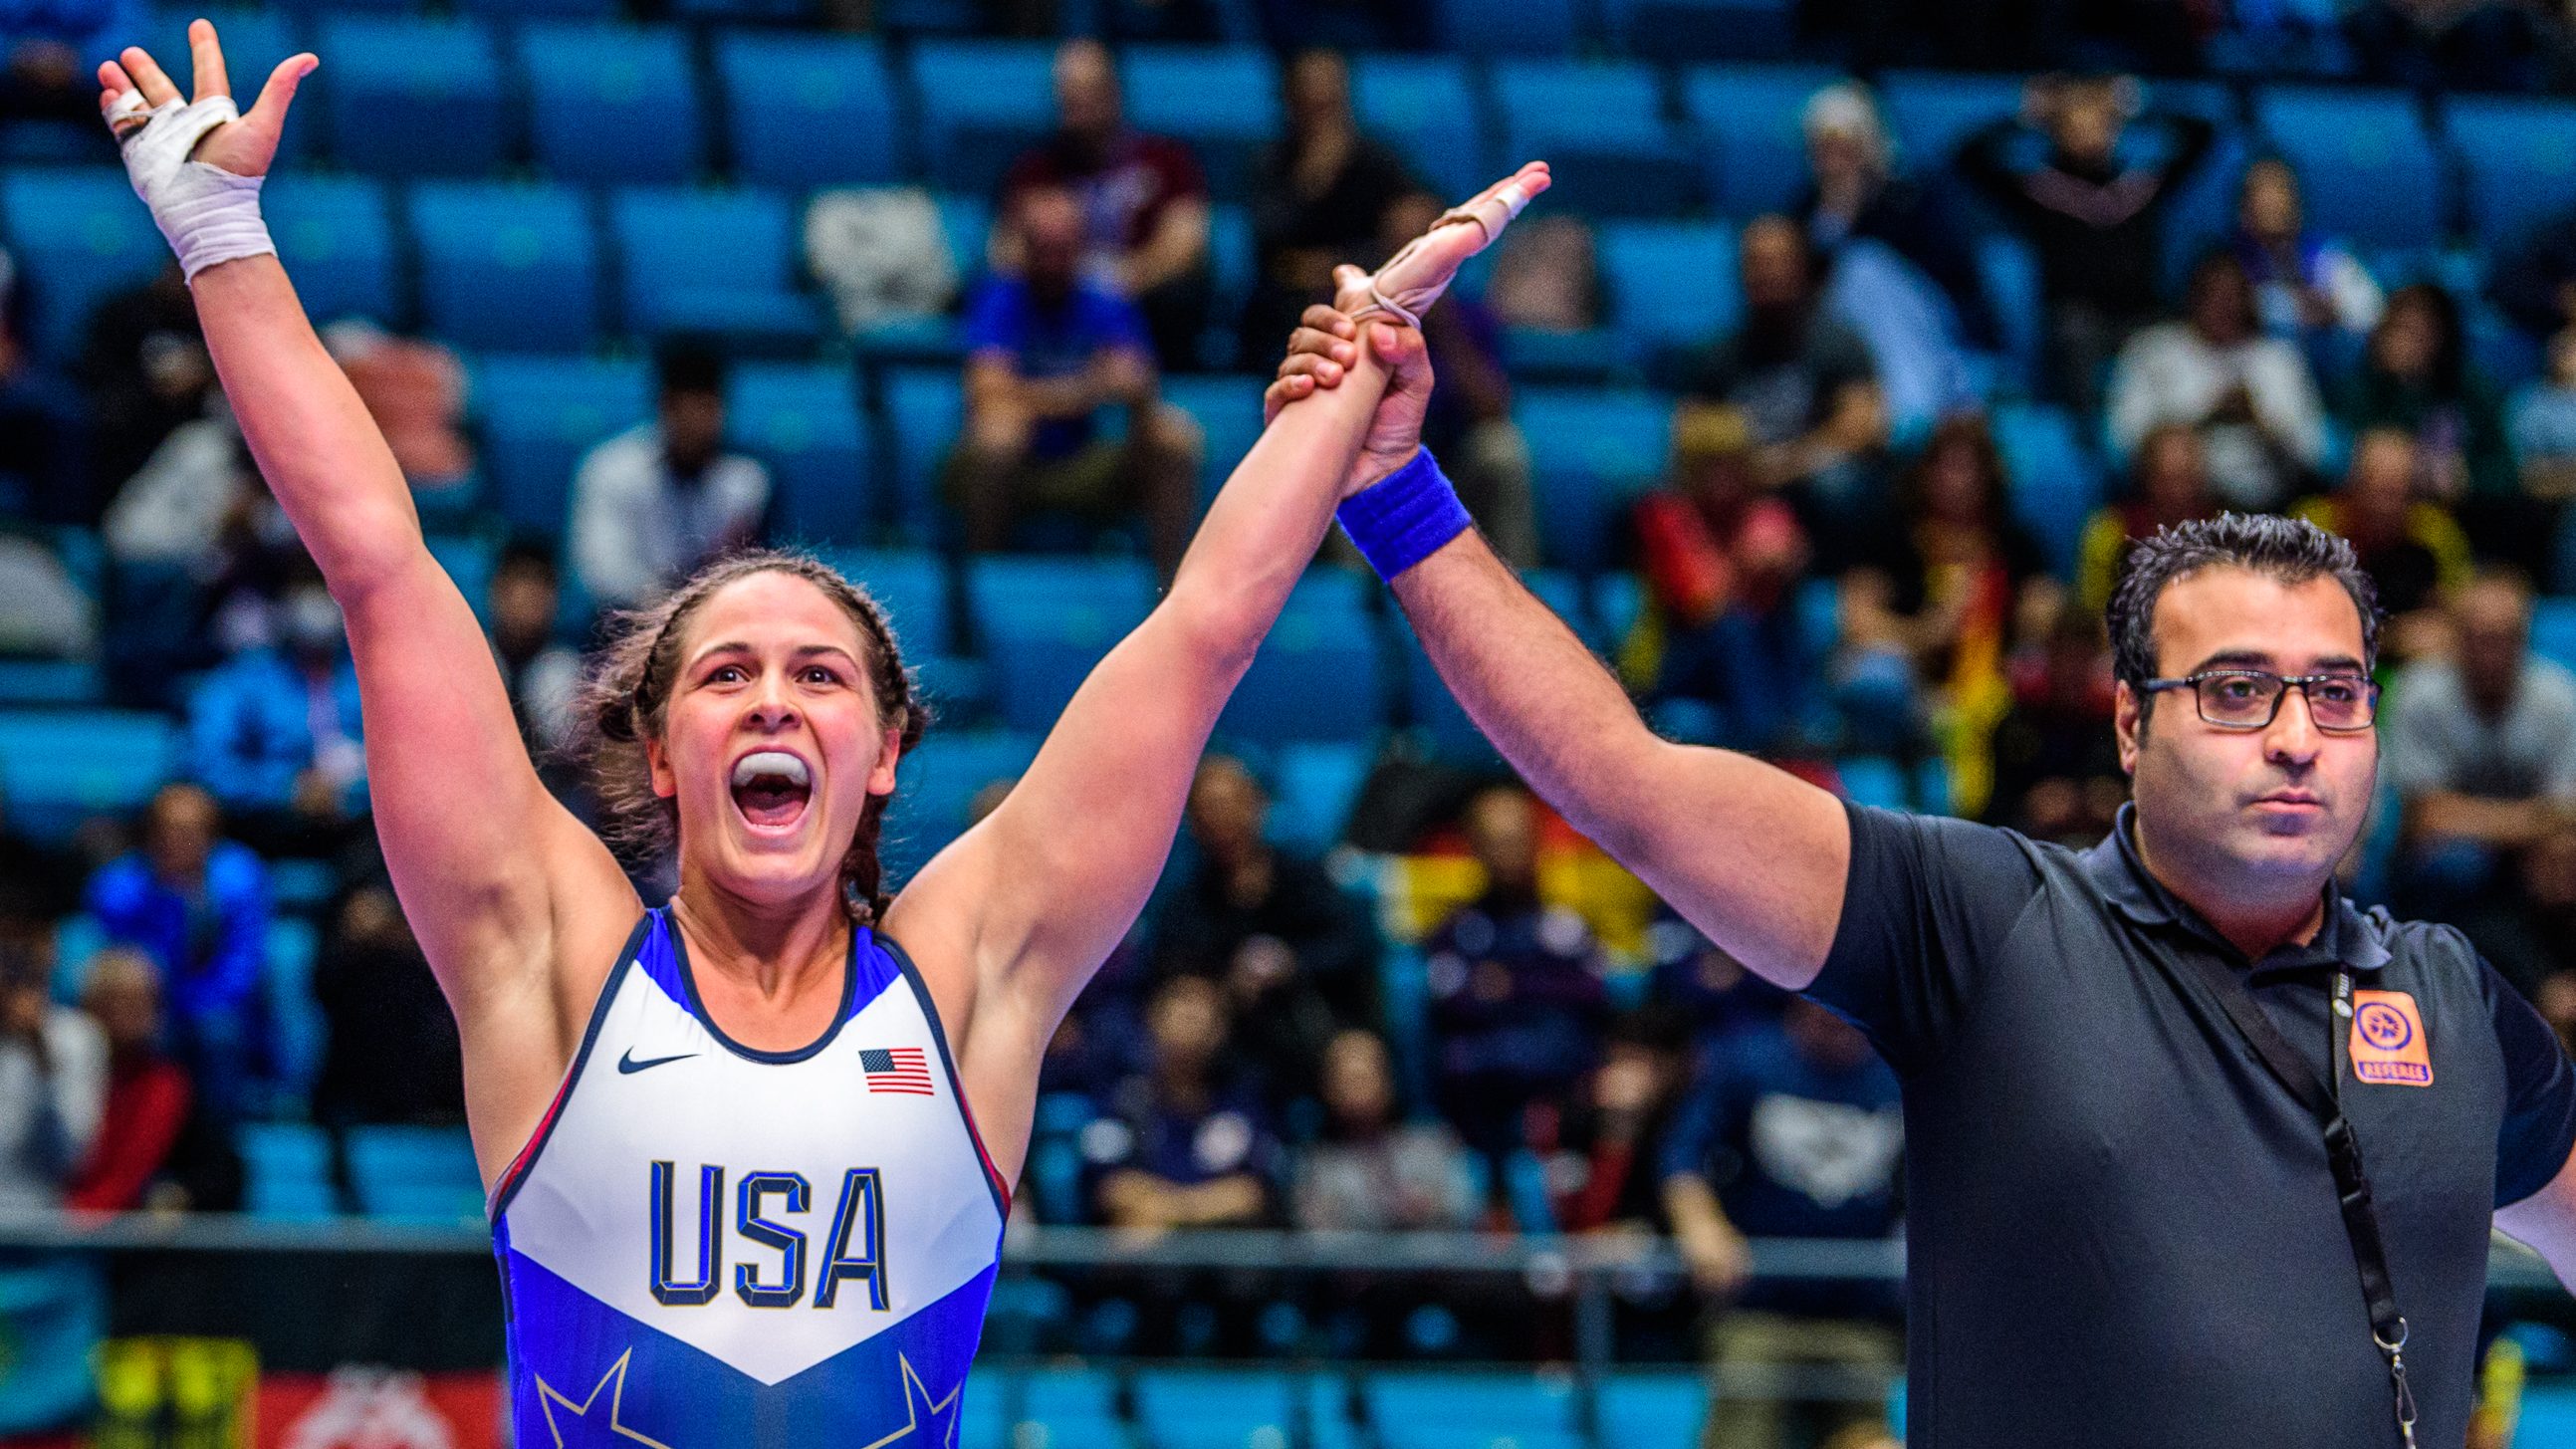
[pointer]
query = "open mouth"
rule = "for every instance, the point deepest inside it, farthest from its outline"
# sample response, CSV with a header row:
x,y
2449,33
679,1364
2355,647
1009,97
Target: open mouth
x,y
771,789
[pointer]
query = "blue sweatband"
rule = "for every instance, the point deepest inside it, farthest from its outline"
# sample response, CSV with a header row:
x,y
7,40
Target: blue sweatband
x,y
1404,517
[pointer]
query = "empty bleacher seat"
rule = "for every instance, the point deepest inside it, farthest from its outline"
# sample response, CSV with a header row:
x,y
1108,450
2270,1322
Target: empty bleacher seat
x,y
1670,284
302,1033
50,681
1591,451
1228,412
808,110
1213,1409
423,1174
1754,118
80,237
738,10
58,767
286,1171
1704,29
1653,1408
539,9
612,103
1222,100
1602,126
1313,786
2056,481
924,410
911,586
718,262
1320,674
2520,156
1049,620
2553,630
539,415
1424,107
468,560
1467,1410
508,268
935,784
413,97
336,237
1929,113
803,421
981,103
2366,167
1507,27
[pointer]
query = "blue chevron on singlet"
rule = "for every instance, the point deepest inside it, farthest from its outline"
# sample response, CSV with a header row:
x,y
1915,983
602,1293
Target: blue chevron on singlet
x,y
705,1246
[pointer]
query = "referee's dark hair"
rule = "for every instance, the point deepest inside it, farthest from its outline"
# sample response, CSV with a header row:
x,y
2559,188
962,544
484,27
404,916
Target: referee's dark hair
x,y
2289,550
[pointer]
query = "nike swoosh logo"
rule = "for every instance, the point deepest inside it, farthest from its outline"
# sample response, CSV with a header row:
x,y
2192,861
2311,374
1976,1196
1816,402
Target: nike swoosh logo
x,y
628,1066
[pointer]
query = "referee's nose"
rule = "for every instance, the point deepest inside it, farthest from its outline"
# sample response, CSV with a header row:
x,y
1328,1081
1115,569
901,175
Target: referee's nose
x,y
2293,737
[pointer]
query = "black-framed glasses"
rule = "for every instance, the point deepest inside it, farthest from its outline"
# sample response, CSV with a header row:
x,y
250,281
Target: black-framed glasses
x,y
2250,699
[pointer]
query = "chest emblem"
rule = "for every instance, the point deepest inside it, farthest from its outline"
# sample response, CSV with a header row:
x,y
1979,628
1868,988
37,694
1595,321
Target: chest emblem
x,y
2388,1043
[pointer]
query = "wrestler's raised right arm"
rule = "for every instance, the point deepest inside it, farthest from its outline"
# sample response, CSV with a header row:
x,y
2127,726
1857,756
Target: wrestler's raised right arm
x,y
1753,856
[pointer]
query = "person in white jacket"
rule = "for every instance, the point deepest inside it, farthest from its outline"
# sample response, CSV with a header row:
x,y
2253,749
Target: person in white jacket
x,y
2251,396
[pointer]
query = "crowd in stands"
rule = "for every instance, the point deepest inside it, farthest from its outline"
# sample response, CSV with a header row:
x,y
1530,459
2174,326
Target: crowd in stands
x,y
1460,1016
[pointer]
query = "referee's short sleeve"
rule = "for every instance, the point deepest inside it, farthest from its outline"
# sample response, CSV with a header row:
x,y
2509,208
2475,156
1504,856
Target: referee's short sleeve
x,y
1927,899
2539,1128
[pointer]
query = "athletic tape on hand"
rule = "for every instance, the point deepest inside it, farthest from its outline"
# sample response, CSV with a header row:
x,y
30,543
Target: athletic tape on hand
x,y
1400,291
208,214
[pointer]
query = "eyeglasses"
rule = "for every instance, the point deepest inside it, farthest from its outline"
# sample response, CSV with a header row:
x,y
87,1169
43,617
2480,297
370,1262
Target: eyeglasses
x,y
2250,699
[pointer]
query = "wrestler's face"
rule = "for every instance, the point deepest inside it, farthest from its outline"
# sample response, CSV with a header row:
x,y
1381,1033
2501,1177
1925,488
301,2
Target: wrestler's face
x,y
2280,804
773,739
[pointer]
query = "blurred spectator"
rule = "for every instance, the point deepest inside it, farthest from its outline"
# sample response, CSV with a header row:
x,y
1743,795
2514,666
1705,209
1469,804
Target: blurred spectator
x,y
2543,428
39,883
1142,203
392,1054
275,733
2057,764
1292,25
415,390
1690,976
197,905
1854,193
49,56
2472,45
2526,926
43,475
1372,1171
1295,955
1320,199
2308,288
2412,548
2169,485
2481,747
1792,1132
1547,277
2533,281
541,673
1802,377
1517,1002
1722,560
1184,1148
145,369
1469,425
1605,1172
1929,605
2093,210
2416,376
53,1084
44,611
154,1148
1047,353
2250,395
649,504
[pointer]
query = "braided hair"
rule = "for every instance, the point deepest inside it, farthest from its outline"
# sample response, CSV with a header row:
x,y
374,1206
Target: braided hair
x,y
626,696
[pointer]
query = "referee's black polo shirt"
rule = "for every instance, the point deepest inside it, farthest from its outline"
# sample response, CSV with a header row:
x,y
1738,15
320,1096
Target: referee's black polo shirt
x,y
2122,1231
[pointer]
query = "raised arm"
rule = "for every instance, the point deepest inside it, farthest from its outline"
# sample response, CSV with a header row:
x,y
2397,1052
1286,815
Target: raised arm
x,y
1753,856
481,856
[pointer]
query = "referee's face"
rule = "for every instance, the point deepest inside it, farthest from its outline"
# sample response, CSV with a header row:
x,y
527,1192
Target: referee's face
x,y
2268,811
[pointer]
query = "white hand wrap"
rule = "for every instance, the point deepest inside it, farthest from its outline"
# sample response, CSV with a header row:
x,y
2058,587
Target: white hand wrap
x,y
209,214
1402,291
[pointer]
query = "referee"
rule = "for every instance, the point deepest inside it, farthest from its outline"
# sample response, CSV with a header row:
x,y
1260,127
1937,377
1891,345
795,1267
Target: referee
x,y
2196,1152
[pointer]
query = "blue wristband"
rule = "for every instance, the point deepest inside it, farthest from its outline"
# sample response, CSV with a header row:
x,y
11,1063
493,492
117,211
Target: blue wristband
x,y
1404,517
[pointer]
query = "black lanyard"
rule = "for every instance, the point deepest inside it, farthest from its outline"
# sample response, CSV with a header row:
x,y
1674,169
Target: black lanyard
x,y
2343,1149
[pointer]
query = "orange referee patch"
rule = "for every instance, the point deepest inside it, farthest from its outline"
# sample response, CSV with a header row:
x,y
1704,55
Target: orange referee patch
x,y
2388,1045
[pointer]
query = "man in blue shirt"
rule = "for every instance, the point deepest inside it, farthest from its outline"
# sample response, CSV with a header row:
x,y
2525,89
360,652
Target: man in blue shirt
x,y
274,733
1051,358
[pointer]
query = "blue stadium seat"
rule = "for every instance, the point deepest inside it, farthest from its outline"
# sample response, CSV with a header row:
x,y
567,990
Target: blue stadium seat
x,y
1507,27
1704,29
1313,786
1213,1409
413,97
286,1171
540,9
80,237
507,268
2008,274
302,1032
936,783
58,767
1458,1409
1228,412
2368,170
803,421
1425,107
50,681
1048,620
710,261
1223,100
1653,1408
336,237
1602,126
420,1174
1670,284
924,409
2520,156
539,416
809,110
469,560
911,586
1320,674
2056,480
1590,453
2553,630
982,103
1433,712
1754,117
1929,113
744,10
612,103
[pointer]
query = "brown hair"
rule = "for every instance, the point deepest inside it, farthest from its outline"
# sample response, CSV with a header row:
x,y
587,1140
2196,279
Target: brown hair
x,y
626,695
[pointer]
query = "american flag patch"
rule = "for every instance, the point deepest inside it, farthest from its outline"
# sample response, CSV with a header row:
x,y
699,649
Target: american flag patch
x,y
899,1069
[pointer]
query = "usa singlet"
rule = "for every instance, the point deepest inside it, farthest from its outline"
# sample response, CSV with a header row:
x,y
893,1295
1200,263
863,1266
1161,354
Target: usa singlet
x,y
705,1246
